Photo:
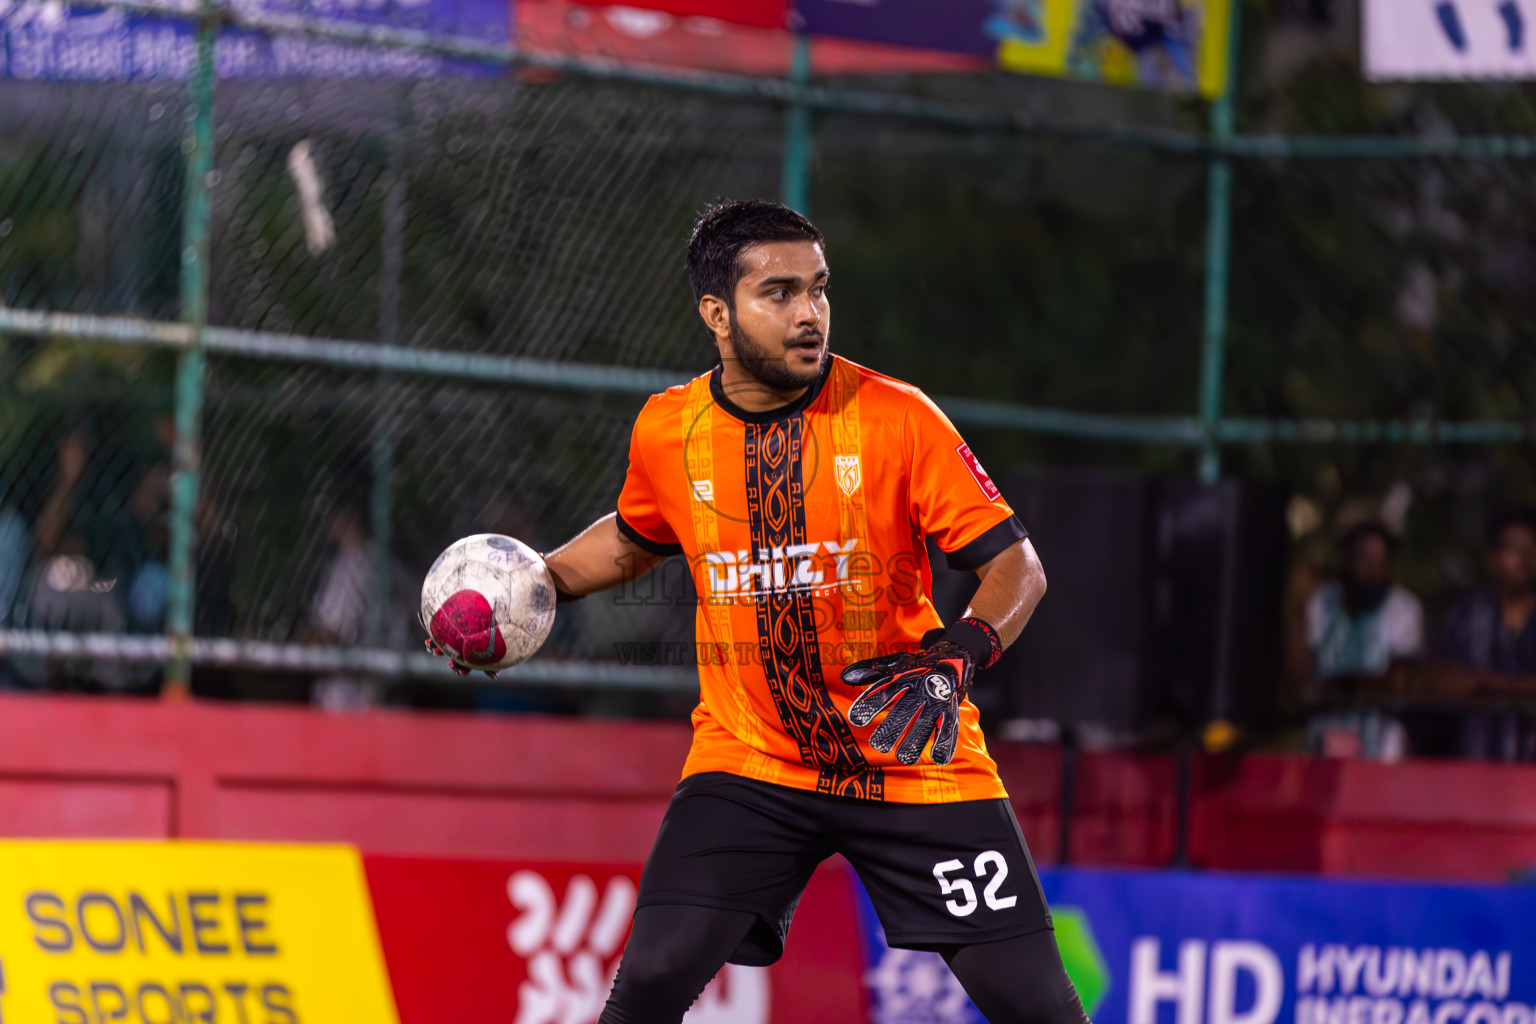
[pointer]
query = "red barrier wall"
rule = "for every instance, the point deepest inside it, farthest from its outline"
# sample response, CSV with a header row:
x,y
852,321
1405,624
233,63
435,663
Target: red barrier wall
x,y
474,922
585,790
447,785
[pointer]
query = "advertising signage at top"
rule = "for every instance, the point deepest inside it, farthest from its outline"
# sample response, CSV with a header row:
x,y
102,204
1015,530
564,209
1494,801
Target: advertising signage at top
x,y
756,13
1179,45
1450,39
48,39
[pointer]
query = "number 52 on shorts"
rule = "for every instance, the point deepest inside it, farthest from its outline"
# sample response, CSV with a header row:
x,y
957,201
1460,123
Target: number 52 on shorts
x,y
990,866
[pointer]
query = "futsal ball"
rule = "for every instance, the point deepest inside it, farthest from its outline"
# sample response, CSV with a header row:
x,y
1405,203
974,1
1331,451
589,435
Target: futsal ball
x,y
488,601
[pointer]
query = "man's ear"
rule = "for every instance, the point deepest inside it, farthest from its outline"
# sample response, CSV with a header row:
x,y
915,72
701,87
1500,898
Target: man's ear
x,y
716,316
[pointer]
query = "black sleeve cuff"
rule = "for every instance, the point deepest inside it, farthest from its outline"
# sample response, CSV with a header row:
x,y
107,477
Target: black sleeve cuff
x,y
988,546
640,540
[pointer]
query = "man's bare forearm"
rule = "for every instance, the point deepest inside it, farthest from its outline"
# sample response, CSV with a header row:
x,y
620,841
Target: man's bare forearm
x,y
1012,584
597,558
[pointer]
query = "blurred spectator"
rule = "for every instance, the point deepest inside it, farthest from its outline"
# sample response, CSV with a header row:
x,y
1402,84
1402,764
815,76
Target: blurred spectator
x,y
102,546
15,552
53,521
340,609
139,549
1355,627
68,593
1493,629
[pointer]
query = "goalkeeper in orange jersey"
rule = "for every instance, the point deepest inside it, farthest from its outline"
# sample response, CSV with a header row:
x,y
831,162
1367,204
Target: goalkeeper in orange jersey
x,y
801,487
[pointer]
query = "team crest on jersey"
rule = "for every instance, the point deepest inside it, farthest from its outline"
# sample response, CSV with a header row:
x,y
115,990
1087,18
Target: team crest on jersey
x,y
848,473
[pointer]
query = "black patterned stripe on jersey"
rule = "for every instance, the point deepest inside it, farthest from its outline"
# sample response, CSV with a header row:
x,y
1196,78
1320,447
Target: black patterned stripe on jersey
x,y
786,619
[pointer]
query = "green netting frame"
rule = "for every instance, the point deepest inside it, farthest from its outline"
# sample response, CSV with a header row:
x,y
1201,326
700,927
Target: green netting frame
x,y
1205,429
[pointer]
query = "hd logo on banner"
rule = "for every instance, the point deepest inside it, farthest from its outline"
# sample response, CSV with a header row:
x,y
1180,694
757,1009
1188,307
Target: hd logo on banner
x,y
1192,949
1450,39
187,933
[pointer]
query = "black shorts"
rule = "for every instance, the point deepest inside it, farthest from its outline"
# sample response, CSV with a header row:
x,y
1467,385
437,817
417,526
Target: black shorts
x,y
939,875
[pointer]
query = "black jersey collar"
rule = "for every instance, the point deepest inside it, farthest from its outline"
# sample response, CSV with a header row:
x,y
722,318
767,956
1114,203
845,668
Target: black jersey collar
x,y
783,412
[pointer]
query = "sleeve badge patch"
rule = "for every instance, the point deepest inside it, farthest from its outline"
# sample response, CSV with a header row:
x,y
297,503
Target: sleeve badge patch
x,y
980,475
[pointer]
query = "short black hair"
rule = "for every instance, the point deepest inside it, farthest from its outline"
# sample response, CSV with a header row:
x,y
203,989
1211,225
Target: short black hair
x,y
1522,517
728,228
1368,528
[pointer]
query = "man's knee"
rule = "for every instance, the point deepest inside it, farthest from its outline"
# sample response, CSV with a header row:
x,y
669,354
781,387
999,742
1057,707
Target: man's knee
x,y
1051,1004
1018,981
672,953
662,973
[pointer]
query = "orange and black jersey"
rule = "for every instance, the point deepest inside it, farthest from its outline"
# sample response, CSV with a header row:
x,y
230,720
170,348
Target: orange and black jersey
x,y
804,528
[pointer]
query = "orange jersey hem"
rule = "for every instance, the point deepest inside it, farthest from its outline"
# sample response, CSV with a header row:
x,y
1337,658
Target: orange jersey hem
x,y
715,750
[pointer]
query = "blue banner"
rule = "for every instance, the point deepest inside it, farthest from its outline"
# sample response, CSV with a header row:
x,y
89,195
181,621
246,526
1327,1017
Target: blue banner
x,y
955,26
48,39
1181,948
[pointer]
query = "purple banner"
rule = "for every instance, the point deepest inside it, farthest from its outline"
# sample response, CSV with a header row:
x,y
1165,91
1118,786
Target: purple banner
x,y
954,26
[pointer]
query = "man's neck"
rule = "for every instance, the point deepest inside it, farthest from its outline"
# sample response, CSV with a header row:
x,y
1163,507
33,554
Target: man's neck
x,y
1517,606
751,394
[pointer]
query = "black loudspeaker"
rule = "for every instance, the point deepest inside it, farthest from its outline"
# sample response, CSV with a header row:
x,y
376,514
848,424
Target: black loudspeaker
x,y
1164,602
1222,554
1089,652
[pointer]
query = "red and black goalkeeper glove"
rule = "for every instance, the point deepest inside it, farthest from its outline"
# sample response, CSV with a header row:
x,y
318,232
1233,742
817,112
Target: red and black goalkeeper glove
x,y
458,667
561,597
923,691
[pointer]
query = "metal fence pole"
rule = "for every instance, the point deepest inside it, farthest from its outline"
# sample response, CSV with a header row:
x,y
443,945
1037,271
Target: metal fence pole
x,y
794,185
1218,254
391,272
191,364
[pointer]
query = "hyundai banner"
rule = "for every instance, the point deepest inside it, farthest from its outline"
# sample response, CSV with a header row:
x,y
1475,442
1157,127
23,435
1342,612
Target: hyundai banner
x,y
1181,948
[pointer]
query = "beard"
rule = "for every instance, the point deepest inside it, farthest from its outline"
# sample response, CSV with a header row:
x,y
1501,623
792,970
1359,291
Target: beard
x,y
769,369
1360,598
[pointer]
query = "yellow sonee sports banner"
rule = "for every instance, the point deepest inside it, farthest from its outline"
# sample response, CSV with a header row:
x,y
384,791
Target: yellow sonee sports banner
x,y
188,933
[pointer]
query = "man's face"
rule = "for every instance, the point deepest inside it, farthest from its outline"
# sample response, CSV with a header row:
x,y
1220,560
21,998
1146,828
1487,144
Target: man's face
x,y
1368,562
782,319
1512,562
